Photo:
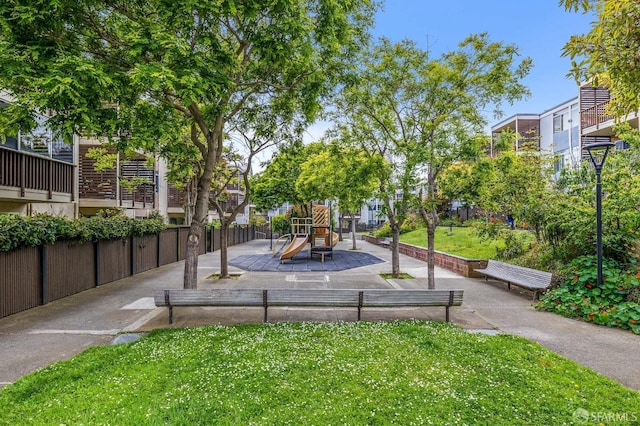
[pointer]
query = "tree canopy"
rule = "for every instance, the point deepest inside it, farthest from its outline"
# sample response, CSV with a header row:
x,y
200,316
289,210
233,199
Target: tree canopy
x,y
138,73
609,55
422,113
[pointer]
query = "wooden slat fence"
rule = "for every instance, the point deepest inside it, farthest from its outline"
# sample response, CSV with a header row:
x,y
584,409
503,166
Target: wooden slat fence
x,y
35,276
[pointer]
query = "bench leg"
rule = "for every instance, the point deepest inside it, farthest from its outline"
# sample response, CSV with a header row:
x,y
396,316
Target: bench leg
x,y
447,314
170,314
508,286
265,303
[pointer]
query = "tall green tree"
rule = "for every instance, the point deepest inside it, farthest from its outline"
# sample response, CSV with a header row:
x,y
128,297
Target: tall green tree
x,y
137,71
255,129
343,173
609,55
424,113
276,184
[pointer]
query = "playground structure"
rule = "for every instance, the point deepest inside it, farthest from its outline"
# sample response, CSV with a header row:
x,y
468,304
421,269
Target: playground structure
x,y
315,231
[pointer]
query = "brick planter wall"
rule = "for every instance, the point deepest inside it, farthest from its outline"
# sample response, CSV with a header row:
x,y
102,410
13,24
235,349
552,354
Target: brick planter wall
x,y
457,264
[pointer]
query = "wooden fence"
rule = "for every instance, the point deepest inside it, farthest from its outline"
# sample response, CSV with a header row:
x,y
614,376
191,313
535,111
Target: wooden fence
x,y
35,276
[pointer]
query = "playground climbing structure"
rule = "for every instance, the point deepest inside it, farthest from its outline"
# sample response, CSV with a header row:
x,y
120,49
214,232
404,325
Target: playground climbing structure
x,y
314,231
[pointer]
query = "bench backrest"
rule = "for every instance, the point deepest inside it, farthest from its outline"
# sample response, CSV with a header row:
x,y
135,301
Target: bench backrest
x,y
397,297
213,297
308,297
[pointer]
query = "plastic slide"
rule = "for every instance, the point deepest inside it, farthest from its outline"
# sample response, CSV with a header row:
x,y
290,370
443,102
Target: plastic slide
x,y
296,246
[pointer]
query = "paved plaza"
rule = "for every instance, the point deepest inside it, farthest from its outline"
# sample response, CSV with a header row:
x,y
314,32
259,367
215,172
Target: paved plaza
x,y
35,338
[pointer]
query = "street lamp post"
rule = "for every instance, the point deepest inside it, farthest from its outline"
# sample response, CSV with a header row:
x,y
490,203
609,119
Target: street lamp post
x,y
450,214
270,234
598,154
270,198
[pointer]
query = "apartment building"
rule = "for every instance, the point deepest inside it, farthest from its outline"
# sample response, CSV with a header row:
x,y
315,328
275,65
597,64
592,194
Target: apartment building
x,y
566,129
40,173
555,131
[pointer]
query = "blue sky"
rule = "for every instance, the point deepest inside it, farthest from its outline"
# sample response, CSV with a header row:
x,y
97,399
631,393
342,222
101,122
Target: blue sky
x,y
539,28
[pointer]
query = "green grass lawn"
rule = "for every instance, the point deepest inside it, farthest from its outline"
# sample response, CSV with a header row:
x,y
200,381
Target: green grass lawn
x,y
463,242
405,372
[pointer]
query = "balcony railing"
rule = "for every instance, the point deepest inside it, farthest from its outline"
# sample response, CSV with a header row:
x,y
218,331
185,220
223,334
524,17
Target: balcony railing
x,y
595,115
30,172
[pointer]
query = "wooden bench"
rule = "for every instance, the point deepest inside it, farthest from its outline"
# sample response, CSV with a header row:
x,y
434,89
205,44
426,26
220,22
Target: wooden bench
x,y
531,279
356,298
386,242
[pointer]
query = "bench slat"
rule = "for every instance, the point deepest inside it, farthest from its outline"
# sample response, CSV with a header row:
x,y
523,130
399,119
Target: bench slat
x,y
411,298
313,297
212,297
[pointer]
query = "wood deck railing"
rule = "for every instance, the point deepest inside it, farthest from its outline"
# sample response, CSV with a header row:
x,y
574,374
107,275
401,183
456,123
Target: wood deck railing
x,y
31,172
595,115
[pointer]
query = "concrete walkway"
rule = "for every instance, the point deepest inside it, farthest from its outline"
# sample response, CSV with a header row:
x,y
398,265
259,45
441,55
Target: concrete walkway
x,y
33,339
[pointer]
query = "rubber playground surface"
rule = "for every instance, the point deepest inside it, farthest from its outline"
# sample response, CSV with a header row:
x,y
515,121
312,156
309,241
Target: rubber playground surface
x,y
303,261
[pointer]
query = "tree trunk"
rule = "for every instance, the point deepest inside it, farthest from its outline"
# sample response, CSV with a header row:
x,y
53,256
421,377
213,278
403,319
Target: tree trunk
x,y
190,196
192,253
353,230
395,253
431,255
430,219
200,213
224,242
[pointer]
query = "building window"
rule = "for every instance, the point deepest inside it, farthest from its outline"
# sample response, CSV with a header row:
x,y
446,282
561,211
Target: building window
x,y
558,165
557,123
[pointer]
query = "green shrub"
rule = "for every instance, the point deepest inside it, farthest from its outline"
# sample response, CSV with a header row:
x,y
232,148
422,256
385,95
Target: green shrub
x,y
455,221
41,229
580,297
281,224
412,223
514,246
491,229
384,231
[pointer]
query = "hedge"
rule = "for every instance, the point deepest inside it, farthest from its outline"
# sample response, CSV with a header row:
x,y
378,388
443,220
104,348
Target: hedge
x,y
29,231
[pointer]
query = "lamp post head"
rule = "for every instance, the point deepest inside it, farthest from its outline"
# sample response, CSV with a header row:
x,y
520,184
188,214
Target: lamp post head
x,y
598,153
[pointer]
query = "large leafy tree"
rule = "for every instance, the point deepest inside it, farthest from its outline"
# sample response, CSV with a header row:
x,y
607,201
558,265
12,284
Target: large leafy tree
x,y
343,173
276,184
139,72
516,183
609,55
422,114
254,130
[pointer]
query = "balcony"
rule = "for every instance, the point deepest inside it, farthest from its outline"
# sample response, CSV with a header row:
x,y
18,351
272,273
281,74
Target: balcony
x,y
595,118
26,177
596,122
100,189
